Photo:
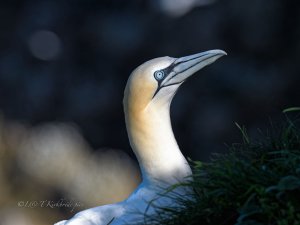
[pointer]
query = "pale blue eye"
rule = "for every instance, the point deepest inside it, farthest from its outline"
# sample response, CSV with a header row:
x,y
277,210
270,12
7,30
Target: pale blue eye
x,y
159,75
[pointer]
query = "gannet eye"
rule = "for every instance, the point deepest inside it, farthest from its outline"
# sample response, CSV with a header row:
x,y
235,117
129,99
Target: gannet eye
x,y
159,75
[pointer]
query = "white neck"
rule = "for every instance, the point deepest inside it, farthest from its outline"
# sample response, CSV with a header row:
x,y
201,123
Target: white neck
x,y
153,142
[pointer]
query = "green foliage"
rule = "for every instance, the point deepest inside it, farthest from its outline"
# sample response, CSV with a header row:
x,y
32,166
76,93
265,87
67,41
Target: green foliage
x,y
256,183
292,109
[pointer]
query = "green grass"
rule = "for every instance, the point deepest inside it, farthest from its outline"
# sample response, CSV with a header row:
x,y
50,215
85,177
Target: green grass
x,y
257,182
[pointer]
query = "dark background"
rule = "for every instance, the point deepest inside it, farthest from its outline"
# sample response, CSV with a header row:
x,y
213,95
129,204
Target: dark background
x,y
69,61
101,42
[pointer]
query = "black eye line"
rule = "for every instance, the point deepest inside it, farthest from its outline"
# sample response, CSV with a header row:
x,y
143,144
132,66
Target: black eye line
x,y
159,81
166,71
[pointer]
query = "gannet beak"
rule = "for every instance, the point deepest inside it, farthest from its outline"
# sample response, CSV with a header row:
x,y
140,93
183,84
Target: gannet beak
x,y
184,67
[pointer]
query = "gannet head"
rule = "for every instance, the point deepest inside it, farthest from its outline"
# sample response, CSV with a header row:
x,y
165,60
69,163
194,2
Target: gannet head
x,y
156,81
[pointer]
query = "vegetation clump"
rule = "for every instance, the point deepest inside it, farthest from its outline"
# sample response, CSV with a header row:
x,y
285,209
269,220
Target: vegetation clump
x,y
256,183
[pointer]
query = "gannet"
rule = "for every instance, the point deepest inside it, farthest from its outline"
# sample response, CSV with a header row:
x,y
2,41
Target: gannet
x,y
147,99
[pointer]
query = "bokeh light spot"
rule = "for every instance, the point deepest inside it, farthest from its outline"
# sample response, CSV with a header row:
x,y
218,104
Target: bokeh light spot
x,y
180,7
44,45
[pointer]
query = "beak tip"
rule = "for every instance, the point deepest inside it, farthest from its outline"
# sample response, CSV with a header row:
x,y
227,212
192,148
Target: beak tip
x,y
218,52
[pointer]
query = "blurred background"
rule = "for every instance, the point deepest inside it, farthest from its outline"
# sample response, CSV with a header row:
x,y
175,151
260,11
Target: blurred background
x,y
63,68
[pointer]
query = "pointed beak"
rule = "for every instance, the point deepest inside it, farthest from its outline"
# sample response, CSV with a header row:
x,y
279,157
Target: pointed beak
x,y
184,67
